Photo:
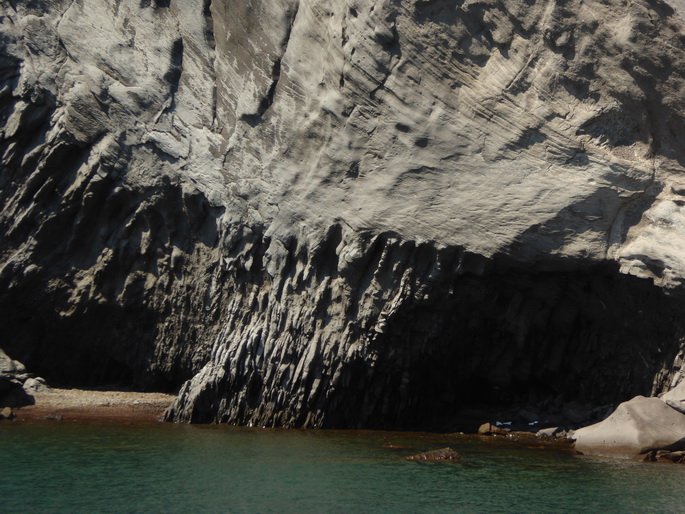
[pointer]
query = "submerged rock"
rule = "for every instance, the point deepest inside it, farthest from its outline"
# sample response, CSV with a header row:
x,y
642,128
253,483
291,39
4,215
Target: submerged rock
x,y
388,445
445,454
637,426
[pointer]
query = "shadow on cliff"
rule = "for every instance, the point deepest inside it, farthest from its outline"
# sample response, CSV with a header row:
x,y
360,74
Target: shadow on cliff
x,y
105,300
512,339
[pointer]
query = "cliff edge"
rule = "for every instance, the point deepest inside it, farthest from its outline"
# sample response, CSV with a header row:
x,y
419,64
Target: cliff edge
x,y
344,213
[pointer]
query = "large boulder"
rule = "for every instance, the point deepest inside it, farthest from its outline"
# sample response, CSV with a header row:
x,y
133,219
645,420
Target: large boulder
x,y
637,426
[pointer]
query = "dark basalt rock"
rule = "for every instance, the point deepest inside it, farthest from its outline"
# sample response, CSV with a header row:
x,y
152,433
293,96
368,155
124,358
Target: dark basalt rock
x,y
13,395
665,456
12,377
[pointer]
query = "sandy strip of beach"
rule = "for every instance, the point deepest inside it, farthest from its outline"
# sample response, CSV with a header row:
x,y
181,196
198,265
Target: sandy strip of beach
x,y
78,405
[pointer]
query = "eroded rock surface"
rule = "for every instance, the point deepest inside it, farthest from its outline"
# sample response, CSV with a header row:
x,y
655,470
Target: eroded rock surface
x,y
344,213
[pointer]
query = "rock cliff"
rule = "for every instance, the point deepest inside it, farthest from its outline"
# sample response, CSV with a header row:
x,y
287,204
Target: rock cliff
x,y
344,213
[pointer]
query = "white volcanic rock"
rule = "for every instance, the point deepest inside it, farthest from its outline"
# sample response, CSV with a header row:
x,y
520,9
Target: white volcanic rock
x,y
637,426
306,205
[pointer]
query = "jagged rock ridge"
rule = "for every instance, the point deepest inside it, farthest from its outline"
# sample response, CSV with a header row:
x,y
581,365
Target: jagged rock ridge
x,y
347,213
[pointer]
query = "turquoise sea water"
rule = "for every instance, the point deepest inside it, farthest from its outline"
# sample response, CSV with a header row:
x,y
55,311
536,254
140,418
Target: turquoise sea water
x,y
171,468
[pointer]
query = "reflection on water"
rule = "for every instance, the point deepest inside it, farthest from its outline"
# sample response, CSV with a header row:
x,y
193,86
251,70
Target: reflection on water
x,y
171,468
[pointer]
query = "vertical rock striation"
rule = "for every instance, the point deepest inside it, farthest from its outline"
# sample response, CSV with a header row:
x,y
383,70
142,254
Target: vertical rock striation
x,y
344,213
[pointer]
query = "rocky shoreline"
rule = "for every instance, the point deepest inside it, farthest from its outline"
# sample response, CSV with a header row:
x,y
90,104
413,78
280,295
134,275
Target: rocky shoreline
x,y
441,200
643,428
651,429
26,397
79,405
606,438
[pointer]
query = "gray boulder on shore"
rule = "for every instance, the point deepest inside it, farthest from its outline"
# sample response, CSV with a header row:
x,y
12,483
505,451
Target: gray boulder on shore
x,y
637,426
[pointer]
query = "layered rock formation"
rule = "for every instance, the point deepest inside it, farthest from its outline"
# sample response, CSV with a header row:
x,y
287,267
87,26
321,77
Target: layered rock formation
x,y
344,213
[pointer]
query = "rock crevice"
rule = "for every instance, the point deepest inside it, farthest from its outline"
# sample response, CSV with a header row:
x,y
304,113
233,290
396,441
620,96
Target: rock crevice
x,y
309,213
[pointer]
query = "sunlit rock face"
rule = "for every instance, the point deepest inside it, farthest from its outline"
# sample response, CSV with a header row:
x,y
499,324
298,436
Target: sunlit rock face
x,y
344,213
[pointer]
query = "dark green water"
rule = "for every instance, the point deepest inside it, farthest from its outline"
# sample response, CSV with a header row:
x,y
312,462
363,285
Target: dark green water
x,y
167,468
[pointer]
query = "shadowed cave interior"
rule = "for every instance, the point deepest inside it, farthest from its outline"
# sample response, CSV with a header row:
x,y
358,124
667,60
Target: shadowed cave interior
x,y
493,345
511,340
501,342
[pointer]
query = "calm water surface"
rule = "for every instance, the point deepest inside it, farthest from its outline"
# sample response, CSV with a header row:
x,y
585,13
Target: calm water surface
x,y
170,468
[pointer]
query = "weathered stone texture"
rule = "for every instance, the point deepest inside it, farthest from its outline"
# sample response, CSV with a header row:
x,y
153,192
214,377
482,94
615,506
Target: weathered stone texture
x,y
344,212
